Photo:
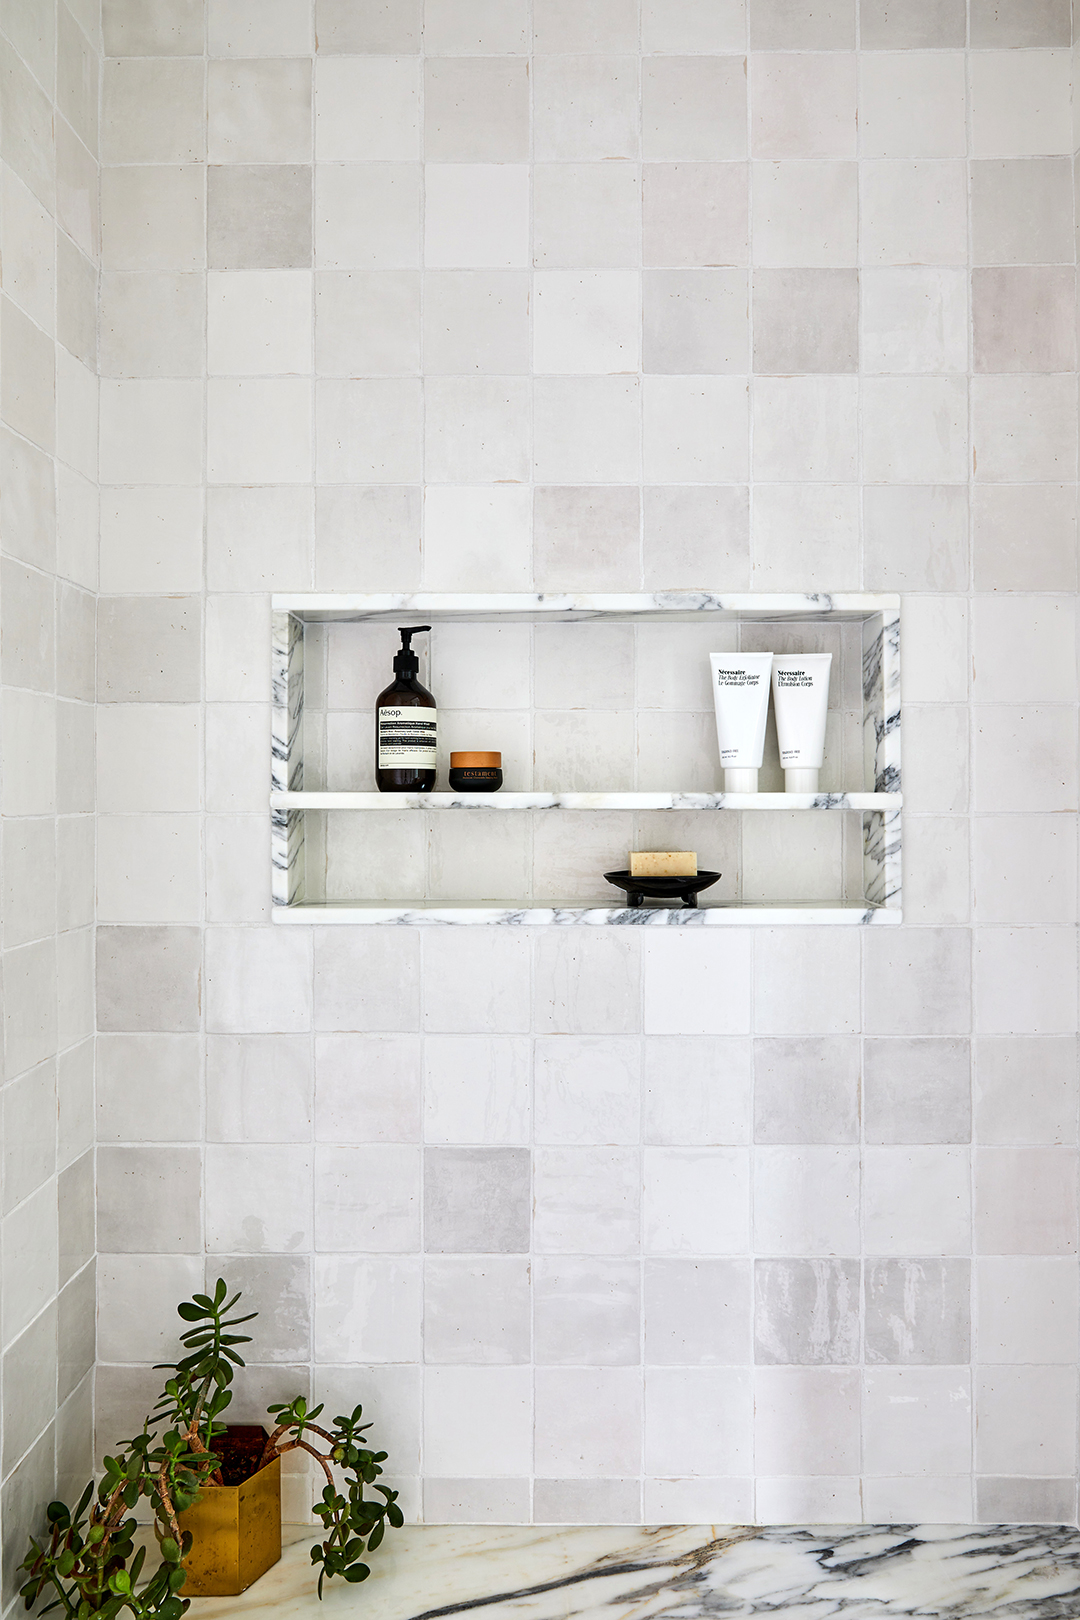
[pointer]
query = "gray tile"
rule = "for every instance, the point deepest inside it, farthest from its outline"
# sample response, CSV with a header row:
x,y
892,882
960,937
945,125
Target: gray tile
x,y
477,1312
75,1332
917,1091
918,1312
1025,1501
807,1090
806,320
25,1496
587,1313
148,978
75,1442
149,649
1022,211
149,1200
695,321
75,1216
584,538
476,1501
1024,318
476,1200
368,27
1020,22
915,537
153,27
697,1313
76,301
586,1501
29,1383
806,1312
278,1286
904,25
695,213
259,217
792,25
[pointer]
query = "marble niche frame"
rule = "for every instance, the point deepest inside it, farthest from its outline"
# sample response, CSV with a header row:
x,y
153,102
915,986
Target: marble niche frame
x,y
880,809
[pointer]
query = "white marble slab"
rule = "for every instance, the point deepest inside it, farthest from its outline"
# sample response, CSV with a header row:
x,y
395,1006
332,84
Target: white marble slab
x,y
860,1572
484,914
586,801
324,609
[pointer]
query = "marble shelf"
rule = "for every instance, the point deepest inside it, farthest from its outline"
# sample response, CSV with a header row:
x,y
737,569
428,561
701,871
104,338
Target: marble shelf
x,y
300,816
586,801
568,914
720,1572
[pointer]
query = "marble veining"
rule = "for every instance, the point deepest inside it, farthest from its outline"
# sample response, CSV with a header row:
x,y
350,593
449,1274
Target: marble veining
x,y
480,913
530,605
582,801
926,1572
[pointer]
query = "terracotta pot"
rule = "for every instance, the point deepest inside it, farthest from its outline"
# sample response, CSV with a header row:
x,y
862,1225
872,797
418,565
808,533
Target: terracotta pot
x,y
237,1534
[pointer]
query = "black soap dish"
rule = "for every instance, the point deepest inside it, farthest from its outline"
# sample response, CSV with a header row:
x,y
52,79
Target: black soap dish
x,y
640,889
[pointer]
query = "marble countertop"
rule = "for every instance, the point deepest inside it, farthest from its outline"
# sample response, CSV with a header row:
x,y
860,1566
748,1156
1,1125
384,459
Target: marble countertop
x,y
425,1572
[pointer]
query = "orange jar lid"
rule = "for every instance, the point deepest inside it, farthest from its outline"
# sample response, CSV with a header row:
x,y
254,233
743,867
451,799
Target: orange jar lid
x,y
460,761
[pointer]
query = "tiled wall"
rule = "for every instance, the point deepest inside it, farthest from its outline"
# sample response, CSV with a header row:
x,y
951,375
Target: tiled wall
x,y
50,61
586,294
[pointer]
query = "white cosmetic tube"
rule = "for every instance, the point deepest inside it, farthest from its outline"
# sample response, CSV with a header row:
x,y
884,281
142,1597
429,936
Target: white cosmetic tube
x,y
740,684
800,683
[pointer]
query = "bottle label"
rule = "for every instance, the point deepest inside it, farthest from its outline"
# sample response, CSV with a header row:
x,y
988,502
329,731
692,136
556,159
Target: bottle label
x,y
407,739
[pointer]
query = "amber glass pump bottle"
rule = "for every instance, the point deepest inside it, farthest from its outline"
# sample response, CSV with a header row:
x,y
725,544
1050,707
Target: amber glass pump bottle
x,y
406,726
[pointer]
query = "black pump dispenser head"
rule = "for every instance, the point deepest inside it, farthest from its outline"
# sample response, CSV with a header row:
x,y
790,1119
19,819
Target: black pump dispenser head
x,y
405,660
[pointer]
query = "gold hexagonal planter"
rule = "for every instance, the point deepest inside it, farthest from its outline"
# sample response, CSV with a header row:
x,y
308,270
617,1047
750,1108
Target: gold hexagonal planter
x,y
237,1534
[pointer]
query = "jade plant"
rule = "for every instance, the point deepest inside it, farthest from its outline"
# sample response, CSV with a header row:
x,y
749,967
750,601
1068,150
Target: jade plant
x,y
87,1562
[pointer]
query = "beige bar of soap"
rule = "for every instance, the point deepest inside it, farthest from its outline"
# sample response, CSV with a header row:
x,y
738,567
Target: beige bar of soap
x,y
663,863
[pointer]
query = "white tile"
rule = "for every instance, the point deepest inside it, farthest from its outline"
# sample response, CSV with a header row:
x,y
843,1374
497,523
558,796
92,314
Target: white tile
x,y
257,979
477,1310
151,540
259,28
368,430
824,1500
1020,428
903,1500
476,1088
805,213
476,430
806,429
479,982
588,1090
367,1199
806,1418
698,1501
1026,1309
147,757
1020,103
258,431
236,735
367,982
917,1420
806,1200
803,105
935,666
914,318
477,538
476,215
258,1088
697,1090
918,983
695,429
914,430
258,1199
803,989
258,322
913,104
586,1201
586,985
696,991
586,321
142,1290
367,1088
1025,1200
1023,649
367,109
1025,869
149,869
259,539
805,537
912,211
697,1200
1026,1090
151,432
1025,981
1024,758
587,430
367,215
698,1420
917,1200
588,1422
1026,1420
477,1419
368,1310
